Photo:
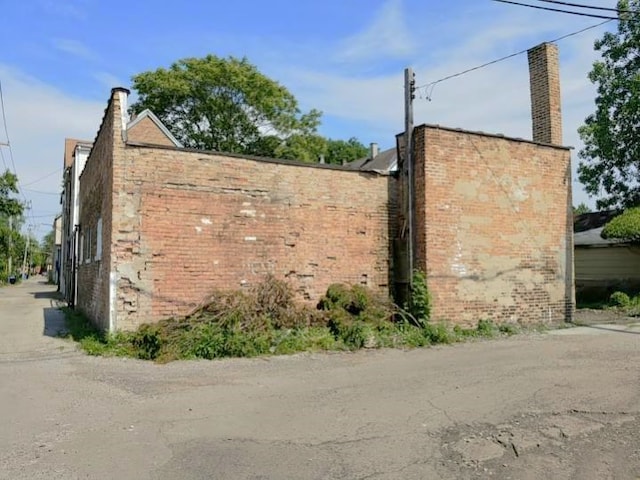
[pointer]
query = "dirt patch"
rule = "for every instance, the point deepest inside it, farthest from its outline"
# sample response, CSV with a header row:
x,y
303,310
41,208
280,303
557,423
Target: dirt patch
x,y
587,316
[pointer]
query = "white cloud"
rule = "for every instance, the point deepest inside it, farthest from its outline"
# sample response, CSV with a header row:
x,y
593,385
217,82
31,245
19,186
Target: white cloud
x,y
39,118
493,99
73,47
385,37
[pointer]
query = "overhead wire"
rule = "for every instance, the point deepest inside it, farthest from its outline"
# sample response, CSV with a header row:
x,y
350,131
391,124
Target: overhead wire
x,y
539,7
431,85
27,203
39,179
589,7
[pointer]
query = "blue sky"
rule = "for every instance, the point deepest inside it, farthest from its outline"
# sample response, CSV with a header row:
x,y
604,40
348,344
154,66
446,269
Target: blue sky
x,y
61,58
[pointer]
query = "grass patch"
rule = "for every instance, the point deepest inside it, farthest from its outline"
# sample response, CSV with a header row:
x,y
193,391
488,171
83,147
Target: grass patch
x,y
267,321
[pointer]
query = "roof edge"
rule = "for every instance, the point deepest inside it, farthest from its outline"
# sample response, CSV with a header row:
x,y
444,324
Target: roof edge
x,y
146,113
491,135
255,158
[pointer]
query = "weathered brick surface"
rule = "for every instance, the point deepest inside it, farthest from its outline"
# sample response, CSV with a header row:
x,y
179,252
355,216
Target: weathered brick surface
x,y
192,222
544,74
96,191
494,226
145,131
493,217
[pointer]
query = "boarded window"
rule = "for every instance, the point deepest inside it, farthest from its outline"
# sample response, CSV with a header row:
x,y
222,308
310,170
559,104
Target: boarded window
x,y
99,240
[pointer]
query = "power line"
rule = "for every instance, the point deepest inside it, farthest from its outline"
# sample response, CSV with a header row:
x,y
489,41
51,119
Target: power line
x,y
582,5
6,133
582,14
27,203
40,191
3,160
42,178
501,59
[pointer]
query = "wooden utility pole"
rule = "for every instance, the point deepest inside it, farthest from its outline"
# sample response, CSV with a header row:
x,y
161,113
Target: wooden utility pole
x,y
409,95
403,245
10,262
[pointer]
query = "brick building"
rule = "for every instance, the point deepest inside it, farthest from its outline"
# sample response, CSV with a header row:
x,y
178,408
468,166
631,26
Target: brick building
x,y
162,226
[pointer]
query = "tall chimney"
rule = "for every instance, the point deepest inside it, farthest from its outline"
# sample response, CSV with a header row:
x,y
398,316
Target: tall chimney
x,y
544,77
122,94
373,150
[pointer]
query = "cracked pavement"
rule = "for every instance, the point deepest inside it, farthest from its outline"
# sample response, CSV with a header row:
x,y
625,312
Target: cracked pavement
x,y
559,405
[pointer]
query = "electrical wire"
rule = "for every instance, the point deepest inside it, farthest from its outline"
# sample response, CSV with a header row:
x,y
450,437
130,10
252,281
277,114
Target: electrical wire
x,y
431,85
27,203
6,133
582,5
42,178
40,191
3,160
582,14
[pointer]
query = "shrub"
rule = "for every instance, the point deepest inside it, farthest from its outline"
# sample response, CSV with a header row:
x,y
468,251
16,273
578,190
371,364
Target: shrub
x,y
625,226
486,328
420,299
437,333
619,299
147,342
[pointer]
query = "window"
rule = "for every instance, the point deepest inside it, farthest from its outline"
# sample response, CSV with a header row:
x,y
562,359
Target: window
x,y
81,250
99,240
88,246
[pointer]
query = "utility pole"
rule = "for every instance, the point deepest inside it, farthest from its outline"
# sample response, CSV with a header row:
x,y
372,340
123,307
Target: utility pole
x,y
403,245
26,248
409,96
10,262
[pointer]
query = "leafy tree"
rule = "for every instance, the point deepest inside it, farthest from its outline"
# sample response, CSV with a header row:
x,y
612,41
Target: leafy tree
x,y
625,226
309,148
11,241
610,160
227,105
339,151
581,209
9,206
222,104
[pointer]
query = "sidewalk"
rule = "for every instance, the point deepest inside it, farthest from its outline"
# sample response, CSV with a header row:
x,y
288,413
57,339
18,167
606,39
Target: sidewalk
x,y
30,321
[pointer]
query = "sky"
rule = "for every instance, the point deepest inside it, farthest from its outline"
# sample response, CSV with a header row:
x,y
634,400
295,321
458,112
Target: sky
x,y
60,58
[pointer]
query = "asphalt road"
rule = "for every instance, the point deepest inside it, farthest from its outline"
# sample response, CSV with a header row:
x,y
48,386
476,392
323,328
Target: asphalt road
x,y
563,406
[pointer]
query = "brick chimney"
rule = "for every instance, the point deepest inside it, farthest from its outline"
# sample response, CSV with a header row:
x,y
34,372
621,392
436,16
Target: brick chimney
x,y
544,75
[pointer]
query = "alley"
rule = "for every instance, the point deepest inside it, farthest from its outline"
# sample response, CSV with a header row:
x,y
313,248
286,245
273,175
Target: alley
x,y
563,405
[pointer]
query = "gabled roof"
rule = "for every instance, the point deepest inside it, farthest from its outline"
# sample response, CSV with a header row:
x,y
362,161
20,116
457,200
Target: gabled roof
x,y
70,145
148,114
385,162
588,228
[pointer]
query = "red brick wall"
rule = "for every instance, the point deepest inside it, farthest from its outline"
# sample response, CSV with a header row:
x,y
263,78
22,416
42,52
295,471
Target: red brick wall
x,y
145,131
494,227
192,222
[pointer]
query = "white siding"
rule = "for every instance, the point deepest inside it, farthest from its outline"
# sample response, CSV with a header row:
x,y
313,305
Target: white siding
x,y
607,263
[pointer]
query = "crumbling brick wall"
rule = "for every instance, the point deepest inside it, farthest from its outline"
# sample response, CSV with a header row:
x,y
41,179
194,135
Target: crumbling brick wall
x,y
192,222
494,226
96,203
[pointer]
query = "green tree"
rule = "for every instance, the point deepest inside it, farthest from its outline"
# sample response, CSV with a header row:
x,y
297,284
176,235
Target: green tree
x,y
309,148
9,206
581,209
222,104
340,151
610,159
625,226
11,241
